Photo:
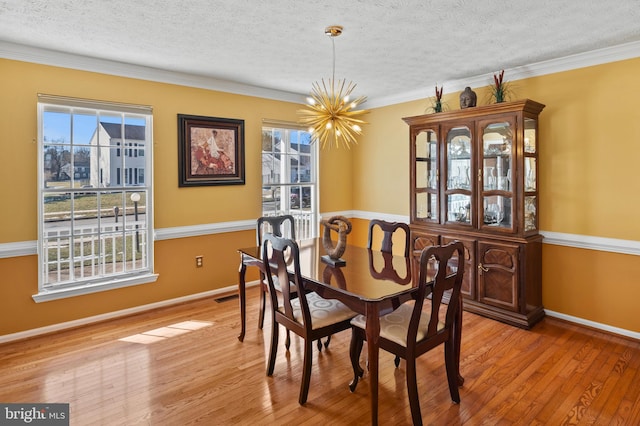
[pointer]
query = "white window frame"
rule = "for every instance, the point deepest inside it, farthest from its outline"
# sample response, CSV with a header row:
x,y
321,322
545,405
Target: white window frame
x,y
307,217
124,273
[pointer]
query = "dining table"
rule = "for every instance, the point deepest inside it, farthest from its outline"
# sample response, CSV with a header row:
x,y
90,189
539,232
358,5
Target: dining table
x,y
369,282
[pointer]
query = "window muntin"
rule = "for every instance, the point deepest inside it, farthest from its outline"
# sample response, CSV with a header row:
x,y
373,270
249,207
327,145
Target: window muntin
x,y
289,176
95,227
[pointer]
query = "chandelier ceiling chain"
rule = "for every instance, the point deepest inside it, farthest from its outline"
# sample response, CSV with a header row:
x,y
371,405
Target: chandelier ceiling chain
x,y
330,115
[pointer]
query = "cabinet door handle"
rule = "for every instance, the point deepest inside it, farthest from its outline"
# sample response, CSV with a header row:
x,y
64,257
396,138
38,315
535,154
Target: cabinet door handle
x,y
482,268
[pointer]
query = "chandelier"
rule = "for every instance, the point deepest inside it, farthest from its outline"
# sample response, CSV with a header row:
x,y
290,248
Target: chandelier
x,y
330,114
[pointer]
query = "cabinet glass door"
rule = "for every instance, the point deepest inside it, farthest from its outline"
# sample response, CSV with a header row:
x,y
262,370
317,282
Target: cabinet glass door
x,y
426,176
497,176
530,175
458,174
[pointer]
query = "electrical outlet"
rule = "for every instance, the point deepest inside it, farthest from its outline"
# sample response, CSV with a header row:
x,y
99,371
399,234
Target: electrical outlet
x,y
199,261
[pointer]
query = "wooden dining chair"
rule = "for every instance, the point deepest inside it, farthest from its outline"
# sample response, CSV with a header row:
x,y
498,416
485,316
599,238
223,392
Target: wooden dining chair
x,y
282,226
303,312
388,230
411,331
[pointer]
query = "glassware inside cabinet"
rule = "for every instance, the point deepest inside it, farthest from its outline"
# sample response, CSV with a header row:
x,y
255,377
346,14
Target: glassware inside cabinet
x,y
426,175
459,158
459,208
530,126
498,211
530,212
426,206
530,181
426,160
497,157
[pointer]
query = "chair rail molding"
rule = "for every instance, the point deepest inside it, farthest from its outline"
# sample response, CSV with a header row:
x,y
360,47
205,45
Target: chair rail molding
x,y
588,242
613,245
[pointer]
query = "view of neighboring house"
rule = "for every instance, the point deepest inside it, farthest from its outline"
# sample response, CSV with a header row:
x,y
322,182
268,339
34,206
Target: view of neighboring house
x,y
298,168
120,162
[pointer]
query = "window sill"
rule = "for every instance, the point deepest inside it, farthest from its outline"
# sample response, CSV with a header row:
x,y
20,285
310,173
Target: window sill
x,y
63,293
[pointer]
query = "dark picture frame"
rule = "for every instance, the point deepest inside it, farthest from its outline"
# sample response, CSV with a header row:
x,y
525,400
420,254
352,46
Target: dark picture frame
x,y
210,151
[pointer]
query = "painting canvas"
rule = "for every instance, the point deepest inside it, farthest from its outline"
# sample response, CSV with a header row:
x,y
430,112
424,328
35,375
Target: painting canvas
x,y
210,151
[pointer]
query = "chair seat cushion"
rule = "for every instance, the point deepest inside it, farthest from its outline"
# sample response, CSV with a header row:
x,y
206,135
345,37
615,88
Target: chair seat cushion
x,y
394,326
323,311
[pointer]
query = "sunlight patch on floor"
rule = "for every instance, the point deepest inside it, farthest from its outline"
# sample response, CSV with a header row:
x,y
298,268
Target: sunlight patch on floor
x,y
162,333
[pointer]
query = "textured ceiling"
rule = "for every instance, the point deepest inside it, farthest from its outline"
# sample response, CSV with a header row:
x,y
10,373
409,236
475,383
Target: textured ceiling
x,y
387,48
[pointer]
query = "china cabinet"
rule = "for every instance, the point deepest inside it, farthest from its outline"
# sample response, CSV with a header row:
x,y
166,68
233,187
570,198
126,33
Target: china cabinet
x,y
474,178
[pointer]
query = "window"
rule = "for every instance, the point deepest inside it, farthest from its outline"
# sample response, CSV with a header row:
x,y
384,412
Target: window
x,y
95,233
289,176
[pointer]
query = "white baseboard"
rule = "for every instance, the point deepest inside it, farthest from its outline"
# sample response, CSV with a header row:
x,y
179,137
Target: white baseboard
x,y
117,314
593,324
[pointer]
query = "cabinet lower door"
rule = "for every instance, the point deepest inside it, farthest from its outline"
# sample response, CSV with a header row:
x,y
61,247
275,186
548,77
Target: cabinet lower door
x,y
420,240
468,289
498,271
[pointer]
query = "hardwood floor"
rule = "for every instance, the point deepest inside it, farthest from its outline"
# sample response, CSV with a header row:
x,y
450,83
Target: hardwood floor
x,y
184,365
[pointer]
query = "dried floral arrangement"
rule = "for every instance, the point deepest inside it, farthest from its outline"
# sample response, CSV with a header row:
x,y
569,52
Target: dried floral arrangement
x,y
437,105
500,88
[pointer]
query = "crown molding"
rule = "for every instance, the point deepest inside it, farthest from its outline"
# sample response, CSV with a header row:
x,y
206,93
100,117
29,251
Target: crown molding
x,y
36,55
567,63
25,53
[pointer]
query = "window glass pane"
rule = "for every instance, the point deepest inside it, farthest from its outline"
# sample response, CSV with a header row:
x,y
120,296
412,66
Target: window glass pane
x,y
289,160
56,127
84,128
56,164
93,230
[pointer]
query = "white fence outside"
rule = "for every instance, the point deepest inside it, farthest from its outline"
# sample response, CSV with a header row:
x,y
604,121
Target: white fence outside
x,y
92,252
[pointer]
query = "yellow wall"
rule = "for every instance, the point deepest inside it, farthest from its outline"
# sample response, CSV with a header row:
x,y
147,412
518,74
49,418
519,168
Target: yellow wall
x,y
589,135
20,83
589,157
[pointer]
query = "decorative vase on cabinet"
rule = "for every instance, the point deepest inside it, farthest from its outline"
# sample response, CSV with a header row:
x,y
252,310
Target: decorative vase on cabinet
x,y
474,179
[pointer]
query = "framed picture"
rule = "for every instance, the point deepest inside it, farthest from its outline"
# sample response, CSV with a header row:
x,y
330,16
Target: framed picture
x,y
210,151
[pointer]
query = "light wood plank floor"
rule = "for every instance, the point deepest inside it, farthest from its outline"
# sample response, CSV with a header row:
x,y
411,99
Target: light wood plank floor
x,y
183,365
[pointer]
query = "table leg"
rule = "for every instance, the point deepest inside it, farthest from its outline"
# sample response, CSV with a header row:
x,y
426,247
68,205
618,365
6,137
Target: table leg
x,y
243,297
372,331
